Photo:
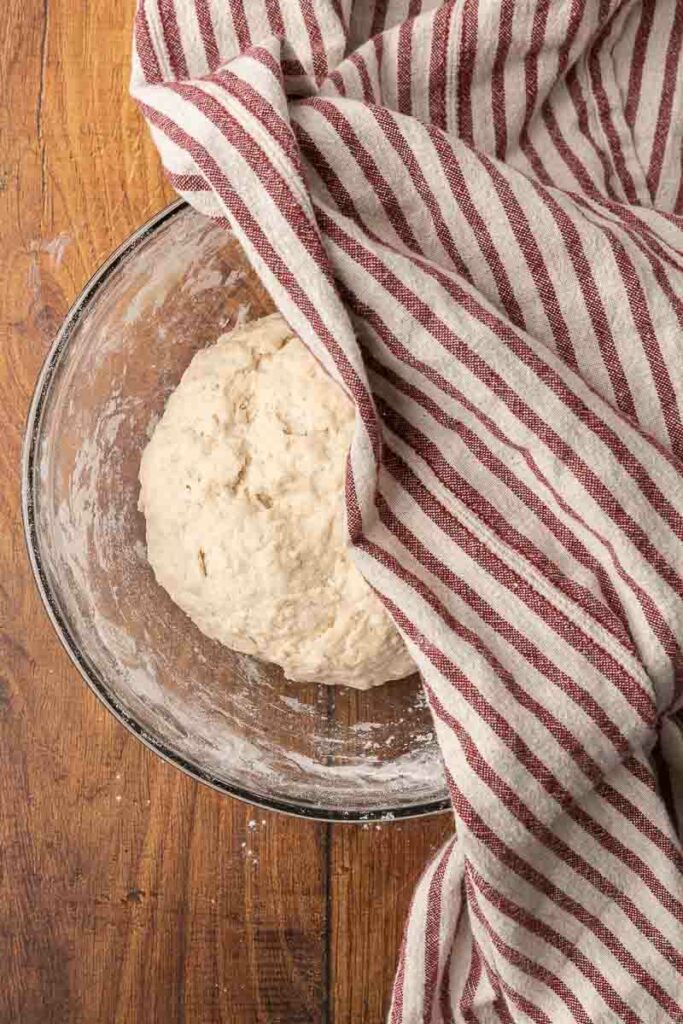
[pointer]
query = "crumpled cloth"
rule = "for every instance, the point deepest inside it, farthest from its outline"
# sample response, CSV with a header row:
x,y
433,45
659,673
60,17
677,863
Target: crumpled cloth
x,y
471,212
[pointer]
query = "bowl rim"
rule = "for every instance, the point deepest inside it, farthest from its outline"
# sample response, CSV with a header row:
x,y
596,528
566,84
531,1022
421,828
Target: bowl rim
x,y
90,675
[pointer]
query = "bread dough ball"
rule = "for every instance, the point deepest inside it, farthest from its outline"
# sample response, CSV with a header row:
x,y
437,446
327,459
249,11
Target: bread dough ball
x,y
242,488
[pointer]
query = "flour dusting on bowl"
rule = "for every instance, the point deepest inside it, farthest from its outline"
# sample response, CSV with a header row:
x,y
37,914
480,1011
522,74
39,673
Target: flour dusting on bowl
x,y
228,719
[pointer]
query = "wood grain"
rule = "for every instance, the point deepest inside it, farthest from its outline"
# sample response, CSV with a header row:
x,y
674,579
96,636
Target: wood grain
x,y
374,870
129,893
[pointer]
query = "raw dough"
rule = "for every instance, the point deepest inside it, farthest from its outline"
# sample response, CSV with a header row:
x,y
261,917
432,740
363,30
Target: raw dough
x,y
242,489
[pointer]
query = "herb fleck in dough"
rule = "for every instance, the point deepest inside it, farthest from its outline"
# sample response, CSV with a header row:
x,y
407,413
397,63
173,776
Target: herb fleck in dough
x,y
242,490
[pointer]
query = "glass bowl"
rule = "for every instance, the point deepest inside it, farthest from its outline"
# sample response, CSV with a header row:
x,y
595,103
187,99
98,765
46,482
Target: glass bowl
x,y
227,719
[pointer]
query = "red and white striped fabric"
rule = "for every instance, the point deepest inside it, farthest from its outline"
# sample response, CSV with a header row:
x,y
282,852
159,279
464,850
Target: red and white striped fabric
x,y
472,212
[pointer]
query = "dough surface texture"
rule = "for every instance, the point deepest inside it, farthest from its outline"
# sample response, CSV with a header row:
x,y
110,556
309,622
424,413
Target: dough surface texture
x,y
242,489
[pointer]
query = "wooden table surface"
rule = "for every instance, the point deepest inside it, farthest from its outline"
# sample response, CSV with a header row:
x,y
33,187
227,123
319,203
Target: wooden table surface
x,y
125,893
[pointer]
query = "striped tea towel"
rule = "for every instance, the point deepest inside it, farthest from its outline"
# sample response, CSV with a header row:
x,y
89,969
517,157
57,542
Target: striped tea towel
x,y
472,212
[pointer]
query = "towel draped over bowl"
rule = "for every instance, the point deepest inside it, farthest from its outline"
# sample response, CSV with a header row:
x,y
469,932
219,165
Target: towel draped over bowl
x,y
472,213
